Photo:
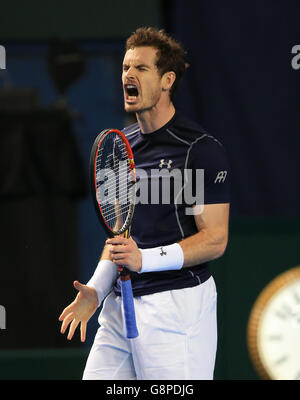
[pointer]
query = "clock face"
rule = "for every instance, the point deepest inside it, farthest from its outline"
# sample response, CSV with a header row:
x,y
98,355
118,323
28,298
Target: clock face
x,y
274,328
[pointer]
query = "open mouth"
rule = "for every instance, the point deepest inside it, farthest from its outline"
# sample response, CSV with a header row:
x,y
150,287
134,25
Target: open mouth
x,y
131,92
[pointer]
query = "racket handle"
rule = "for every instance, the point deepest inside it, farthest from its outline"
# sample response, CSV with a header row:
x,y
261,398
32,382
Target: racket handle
x,y
130,322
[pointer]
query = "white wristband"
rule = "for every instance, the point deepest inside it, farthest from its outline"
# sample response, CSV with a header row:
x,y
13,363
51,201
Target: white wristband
x,y
162,258
103,278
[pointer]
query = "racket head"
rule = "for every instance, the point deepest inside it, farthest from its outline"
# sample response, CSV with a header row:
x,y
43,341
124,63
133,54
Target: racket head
x,y
113,181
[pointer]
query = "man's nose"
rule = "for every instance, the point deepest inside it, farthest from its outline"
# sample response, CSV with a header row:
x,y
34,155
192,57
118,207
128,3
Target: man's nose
x,y
130,73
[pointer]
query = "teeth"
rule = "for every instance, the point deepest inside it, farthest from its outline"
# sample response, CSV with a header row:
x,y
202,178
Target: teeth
x,y
131,92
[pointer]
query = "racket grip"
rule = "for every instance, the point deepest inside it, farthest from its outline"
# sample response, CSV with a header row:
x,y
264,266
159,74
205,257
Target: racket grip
x,y
130,322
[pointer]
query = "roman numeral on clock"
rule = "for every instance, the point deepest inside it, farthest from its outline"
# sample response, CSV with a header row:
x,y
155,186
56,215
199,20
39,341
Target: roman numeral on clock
x,y
274,337
284,312
281,360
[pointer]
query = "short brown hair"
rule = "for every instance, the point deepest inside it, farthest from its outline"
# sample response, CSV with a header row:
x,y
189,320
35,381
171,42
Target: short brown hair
x,y
171,56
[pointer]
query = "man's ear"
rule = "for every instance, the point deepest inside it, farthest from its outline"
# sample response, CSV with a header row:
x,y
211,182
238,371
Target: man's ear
x,y
167,80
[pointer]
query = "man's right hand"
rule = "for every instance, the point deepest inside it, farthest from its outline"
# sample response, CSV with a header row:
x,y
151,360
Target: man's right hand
x,y
79,311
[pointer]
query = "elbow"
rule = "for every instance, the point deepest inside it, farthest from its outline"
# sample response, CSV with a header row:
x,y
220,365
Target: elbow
x,y
220,246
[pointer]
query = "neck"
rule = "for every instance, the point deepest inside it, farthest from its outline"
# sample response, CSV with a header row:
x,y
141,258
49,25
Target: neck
x,y
155,118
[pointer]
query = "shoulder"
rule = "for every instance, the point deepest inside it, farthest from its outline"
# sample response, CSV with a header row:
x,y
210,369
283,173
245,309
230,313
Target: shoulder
x,y
209,153
203,148
193,134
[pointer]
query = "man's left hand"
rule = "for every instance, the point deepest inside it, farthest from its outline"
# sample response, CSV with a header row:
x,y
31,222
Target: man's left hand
x,y
125,252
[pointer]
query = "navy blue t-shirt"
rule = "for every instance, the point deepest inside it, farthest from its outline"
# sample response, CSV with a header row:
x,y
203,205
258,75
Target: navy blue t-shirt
x,y
172,163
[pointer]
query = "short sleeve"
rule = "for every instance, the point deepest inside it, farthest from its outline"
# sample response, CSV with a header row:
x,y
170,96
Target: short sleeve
x,y
209,164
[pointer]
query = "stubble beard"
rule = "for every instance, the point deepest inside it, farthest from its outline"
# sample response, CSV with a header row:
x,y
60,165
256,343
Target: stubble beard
x,y
140,109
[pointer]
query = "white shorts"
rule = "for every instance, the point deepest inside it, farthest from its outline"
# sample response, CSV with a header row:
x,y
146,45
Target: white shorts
x,y
177,337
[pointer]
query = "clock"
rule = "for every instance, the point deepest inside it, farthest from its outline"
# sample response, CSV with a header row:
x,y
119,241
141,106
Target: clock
x,y
273,332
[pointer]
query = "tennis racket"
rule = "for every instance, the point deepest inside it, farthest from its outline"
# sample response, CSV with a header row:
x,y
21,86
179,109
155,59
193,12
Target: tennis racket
x,y
113,184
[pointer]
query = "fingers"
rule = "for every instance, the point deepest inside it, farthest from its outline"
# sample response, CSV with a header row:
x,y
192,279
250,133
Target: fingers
x,y
129,256
79,286
79,311
118,249
122,261
119,253
117,240
82,331
73,326
72,329
66,311
120,245
66,321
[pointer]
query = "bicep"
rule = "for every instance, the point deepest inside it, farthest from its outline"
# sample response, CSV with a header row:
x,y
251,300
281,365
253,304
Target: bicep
x,y
211,239
214,219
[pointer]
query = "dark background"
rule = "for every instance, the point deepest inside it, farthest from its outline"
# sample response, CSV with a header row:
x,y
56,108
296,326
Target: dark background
x,y
241,86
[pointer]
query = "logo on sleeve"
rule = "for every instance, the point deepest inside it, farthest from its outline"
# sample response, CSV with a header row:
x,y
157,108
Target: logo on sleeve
x,y
221,176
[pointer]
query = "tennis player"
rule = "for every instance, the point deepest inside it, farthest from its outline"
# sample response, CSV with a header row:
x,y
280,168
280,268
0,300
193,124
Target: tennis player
x,y
171,243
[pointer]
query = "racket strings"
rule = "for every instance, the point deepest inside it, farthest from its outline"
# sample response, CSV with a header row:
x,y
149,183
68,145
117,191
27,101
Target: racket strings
x,y
115,189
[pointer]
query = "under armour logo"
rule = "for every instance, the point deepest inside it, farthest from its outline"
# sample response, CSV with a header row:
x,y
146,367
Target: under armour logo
x,y
162,252
162,163
221,176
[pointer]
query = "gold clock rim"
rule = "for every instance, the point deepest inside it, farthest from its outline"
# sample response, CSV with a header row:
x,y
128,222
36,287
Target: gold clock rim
x,y
258,307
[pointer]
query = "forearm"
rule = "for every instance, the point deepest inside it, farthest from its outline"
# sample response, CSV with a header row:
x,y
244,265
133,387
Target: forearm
x,y
196,249
104,275
106,254
203,247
